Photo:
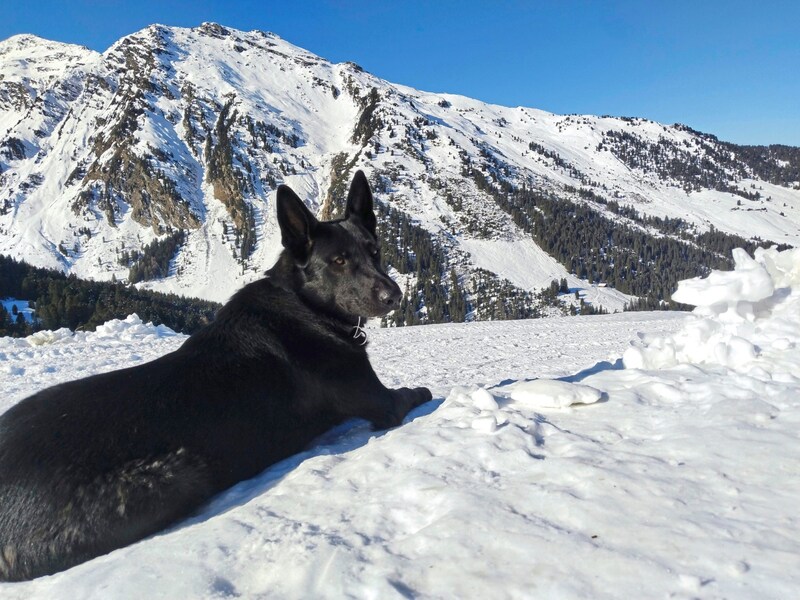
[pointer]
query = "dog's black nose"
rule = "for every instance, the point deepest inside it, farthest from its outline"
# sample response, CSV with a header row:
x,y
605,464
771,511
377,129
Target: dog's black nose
x,y
390,296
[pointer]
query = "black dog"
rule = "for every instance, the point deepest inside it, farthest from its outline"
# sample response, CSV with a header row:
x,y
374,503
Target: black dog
x,y
92,465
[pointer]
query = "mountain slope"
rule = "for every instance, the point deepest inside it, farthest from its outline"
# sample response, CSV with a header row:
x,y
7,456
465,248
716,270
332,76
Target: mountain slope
x,y
191,130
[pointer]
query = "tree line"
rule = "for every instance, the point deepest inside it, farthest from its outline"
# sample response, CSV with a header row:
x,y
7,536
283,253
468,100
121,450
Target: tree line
x,y
61,300
600,250
440,295
628,257
153,260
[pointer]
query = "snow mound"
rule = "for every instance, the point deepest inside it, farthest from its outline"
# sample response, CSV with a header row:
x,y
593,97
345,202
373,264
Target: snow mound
x,y
744,319
724,292
474,407
44,338
550,393
132,328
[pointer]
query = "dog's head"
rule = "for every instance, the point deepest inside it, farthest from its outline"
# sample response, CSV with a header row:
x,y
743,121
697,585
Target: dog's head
x,y
338,262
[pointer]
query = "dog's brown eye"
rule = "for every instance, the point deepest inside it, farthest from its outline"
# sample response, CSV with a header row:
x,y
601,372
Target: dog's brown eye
x,y
339,260
374,252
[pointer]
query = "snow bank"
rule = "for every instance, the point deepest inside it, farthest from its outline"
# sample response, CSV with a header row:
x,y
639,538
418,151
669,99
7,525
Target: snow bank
x,y
746,319
50,357
41,338
130,329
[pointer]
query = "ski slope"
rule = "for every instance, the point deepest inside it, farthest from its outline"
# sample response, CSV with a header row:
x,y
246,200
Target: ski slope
x,y
633,455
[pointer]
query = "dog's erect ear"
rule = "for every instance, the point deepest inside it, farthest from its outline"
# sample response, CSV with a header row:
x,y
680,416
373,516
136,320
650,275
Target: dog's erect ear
x,y
297,224
359,202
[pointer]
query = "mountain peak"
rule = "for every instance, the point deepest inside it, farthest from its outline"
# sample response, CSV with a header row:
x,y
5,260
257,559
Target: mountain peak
x,y
30,58
213,29
24,40
33,45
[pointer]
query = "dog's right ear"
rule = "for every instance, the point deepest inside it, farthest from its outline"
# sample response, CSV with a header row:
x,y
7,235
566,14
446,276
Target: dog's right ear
x,y
359,202
297,224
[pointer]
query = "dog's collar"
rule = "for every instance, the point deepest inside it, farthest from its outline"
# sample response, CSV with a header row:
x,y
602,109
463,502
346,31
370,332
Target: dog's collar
x,y
359,333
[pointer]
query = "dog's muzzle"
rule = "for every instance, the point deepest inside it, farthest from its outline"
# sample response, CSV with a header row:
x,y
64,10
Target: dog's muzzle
x,y
388,294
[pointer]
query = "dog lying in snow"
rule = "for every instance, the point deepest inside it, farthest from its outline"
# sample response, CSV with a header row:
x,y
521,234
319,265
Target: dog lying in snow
x,y
98,463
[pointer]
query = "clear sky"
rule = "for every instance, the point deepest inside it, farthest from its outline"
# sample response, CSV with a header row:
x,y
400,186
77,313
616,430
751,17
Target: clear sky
x,y
731,68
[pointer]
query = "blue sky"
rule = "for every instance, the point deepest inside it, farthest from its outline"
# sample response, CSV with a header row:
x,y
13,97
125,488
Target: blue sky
x,y
727,68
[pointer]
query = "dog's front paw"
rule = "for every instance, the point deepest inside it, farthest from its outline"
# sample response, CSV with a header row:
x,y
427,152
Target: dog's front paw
x,y
403,400
421,396
410,398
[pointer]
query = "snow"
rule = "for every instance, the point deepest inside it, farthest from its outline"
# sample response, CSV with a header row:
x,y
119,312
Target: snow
x,y
547,393
751,282
23,306
616,456
527,266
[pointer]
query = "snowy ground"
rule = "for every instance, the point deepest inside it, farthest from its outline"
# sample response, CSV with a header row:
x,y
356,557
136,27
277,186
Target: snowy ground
x,y
527,266
678,477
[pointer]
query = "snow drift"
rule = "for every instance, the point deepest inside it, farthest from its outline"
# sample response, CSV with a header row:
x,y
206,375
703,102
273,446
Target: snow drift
x,y
746,319
553,468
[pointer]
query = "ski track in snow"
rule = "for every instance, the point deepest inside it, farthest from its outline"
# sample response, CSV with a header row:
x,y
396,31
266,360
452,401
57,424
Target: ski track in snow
x,y
680,478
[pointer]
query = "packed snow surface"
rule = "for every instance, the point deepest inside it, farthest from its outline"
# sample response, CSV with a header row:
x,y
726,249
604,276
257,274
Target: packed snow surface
x,y
635,455
549,393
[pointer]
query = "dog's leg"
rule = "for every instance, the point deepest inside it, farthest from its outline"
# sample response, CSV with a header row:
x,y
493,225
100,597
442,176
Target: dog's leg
x,y
381,406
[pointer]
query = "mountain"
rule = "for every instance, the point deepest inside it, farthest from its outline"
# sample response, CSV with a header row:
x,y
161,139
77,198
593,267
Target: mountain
x,y
156,162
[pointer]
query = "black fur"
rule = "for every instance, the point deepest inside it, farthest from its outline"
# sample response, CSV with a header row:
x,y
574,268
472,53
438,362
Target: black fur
x,y
95,464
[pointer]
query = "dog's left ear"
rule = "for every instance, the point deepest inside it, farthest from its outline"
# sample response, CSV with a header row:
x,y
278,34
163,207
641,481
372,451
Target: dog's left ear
x,y
297,224
359,202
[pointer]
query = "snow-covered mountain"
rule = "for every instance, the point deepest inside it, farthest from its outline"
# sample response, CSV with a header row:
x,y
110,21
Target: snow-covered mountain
x,y
180,136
